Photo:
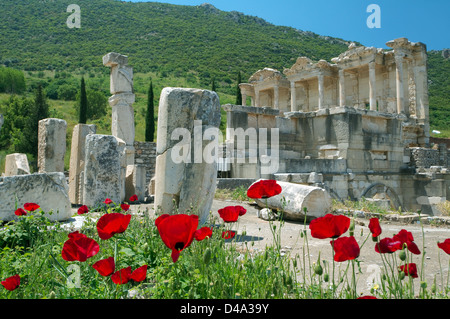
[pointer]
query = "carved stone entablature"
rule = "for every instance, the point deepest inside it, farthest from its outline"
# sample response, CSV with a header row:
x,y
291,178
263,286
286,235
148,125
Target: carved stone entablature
x,y
265,74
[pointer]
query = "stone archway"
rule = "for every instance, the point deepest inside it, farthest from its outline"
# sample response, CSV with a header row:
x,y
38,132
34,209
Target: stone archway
x,y
380,188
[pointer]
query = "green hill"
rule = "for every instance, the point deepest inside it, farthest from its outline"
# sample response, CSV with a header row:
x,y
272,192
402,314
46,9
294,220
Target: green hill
x,y
174,45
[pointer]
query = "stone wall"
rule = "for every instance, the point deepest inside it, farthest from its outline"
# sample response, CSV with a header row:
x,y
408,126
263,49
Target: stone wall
x,y
145,154
424,157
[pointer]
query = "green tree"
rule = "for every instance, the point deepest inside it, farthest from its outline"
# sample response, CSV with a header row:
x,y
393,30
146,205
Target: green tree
x,y
150,116
213,85
12,81
83,103
238,90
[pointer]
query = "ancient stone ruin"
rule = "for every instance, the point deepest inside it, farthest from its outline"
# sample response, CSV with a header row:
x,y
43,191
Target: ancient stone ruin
x,y
361,123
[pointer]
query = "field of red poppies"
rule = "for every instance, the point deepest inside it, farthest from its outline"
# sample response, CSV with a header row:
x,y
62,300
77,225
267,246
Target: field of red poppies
x,y
117,254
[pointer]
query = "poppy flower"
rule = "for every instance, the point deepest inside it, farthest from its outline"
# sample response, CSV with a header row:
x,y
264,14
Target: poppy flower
x,y
79,247
367,297
125,207
11,283
264,188
228,234
230,214
83,210
177,231
108,201
345,248
139,274
113,223
105,267
409,270
445,246
202,233
133,198
374,226
329,226
406,237
31,207
121,276
388,245
20,212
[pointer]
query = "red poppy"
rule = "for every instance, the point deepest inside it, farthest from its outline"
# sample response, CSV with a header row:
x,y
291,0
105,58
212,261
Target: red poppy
x,y
108,201
125,207
11,283
345,248
388,245
177,231
374,226
83,210
367,297
228,234
230,214
105,267
264,188
409,269
133,198
139,274
406,237
113,223
31,206
20,212
202,233
121,276
329,226
445,246
79,247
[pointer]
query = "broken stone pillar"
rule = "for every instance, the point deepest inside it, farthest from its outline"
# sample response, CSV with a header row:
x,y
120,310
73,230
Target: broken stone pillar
x,y
121,102
104,170
51,145
48,190
16,164
135,181
184,177
77,156
294,198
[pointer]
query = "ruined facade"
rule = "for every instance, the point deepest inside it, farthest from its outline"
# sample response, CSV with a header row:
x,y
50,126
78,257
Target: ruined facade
x,y
358,126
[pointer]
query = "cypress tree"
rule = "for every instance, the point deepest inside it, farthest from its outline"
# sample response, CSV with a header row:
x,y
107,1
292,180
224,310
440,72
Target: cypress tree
x,y
150,116
213,85
83,103
238,90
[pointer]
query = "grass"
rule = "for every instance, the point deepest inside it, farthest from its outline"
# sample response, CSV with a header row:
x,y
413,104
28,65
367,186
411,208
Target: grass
x,y
214,268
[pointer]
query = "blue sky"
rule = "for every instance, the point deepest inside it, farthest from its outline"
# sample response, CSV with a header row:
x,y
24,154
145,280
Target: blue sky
x,y
419,21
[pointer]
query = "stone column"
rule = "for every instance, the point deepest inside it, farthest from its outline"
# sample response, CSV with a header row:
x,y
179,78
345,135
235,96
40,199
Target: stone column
x,y
52,145
372,87
185,174
276,97
104,170
399,84
293,97
256,102
121,86
321,91
77,154
341,88
16,164
355,93
244,99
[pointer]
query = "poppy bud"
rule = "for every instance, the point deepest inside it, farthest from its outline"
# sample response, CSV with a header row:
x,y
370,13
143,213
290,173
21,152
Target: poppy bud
x,y
401,275
423,284
207,256
326,277
402,255
352,227
318,270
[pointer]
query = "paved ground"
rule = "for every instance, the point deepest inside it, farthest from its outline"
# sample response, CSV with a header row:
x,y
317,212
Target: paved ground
x,y
258,232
